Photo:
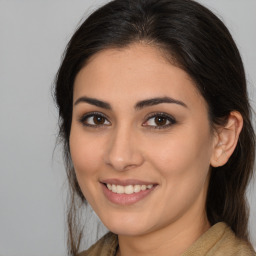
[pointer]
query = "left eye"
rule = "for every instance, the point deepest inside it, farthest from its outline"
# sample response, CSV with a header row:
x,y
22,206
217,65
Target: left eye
x,y
160,121
94,120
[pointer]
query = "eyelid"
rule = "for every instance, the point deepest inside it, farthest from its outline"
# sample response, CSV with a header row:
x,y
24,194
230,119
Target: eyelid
x,y
82,119
169,117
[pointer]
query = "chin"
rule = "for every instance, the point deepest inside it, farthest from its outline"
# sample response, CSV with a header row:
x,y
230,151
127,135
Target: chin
x,y
126,226
127,231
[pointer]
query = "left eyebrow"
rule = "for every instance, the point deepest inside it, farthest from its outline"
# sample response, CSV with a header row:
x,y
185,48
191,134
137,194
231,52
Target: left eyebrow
x,y
156,101
92,101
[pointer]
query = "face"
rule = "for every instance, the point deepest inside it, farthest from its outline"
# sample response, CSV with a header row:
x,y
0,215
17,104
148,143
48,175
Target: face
x,y
140,141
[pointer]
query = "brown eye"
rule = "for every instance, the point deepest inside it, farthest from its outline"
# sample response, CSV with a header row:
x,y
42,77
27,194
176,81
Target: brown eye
x,y
160,120
98,120
94,120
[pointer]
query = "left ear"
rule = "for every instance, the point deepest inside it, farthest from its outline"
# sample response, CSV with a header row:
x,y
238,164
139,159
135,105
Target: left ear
x,y
226,139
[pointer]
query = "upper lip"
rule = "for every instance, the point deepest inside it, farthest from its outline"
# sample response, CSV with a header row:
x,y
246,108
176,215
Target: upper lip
x,y
127,182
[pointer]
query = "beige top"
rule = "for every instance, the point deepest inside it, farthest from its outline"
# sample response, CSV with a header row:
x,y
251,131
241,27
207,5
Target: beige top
x,y
219,240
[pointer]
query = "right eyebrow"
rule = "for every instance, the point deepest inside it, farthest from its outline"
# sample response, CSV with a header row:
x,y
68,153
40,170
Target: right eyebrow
x,y
92,101
156,101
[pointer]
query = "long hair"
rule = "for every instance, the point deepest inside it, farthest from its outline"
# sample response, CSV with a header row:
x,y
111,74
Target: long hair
x,y
200,44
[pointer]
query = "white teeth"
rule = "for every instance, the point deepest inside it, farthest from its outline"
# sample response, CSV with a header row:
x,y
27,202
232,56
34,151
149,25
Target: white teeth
x,y
136,188
114,189
119,189
143,187
130,189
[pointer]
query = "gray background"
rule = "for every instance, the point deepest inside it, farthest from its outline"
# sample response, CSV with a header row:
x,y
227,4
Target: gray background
x,y
33,35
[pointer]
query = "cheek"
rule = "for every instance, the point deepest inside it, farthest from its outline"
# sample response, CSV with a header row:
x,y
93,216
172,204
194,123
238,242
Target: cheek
x,y
85,157
84,153
186,153
183,164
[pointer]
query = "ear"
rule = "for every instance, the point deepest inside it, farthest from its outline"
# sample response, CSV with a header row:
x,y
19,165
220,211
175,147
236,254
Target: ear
x,y
226,138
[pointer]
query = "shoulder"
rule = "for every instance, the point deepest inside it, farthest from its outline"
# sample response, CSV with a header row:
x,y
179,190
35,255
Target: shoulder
x,y
220,240
234,245
106,246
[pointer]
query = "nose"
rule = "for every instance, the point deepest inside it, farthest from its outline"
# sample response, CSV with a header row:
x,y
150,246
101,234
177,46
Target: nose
x,y
123,151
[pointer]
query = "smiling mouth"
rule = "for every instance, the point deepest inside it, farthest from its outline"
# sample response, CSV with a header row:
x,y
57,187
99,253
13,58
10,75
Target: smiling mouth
x,y
126,192
129,189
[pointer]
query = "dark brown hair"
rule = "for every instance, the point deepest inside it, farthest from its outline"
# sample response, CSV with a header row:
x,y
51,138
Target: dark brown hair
x,y
202,46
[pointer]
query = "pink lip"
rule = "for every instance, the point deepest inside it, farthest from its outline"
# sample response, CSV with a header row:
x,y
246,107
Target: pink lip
x,y
124,199
126,182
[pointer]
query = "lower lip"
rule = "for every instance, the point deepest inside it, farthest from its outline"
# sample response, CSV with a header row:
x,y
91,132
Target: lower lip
x,y
124,199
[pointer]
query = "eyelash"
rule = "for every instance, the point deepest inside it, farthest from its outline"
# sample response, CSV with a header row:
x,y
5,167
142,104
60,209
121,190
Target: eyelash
x,y
167,117
85,118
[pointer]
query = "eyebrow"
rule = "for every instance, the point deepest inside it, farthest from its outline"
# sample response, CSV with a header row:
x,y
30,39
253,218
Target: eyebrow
x,y
139,105
156,101
94,102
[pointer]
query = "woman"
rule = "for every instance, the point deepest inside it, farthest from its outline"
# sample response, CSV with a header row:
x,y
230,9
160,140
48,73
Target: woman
x,y
155,120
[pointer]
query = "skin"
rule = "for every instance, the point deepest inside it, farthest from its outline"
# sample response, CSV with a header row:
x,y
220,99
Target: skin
x,y
176,157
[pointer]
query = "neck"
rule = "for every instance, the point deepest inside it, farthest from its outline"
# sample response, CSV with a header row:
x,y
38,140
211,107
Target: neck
x,y
172,240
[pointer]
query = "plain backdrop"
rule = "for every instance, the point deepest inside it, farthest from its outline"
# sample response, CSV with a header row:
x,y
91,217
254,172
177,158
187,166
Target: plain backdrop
x,y
33,35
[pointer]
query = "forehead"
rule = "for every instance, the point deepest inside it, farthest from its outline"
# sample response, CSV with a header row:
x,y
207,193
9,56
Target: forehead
x,y
139,71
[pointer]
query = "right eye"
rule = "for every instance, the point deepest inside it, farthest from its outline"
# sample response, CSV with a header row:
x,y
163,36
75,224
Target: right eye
x,y
94,120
